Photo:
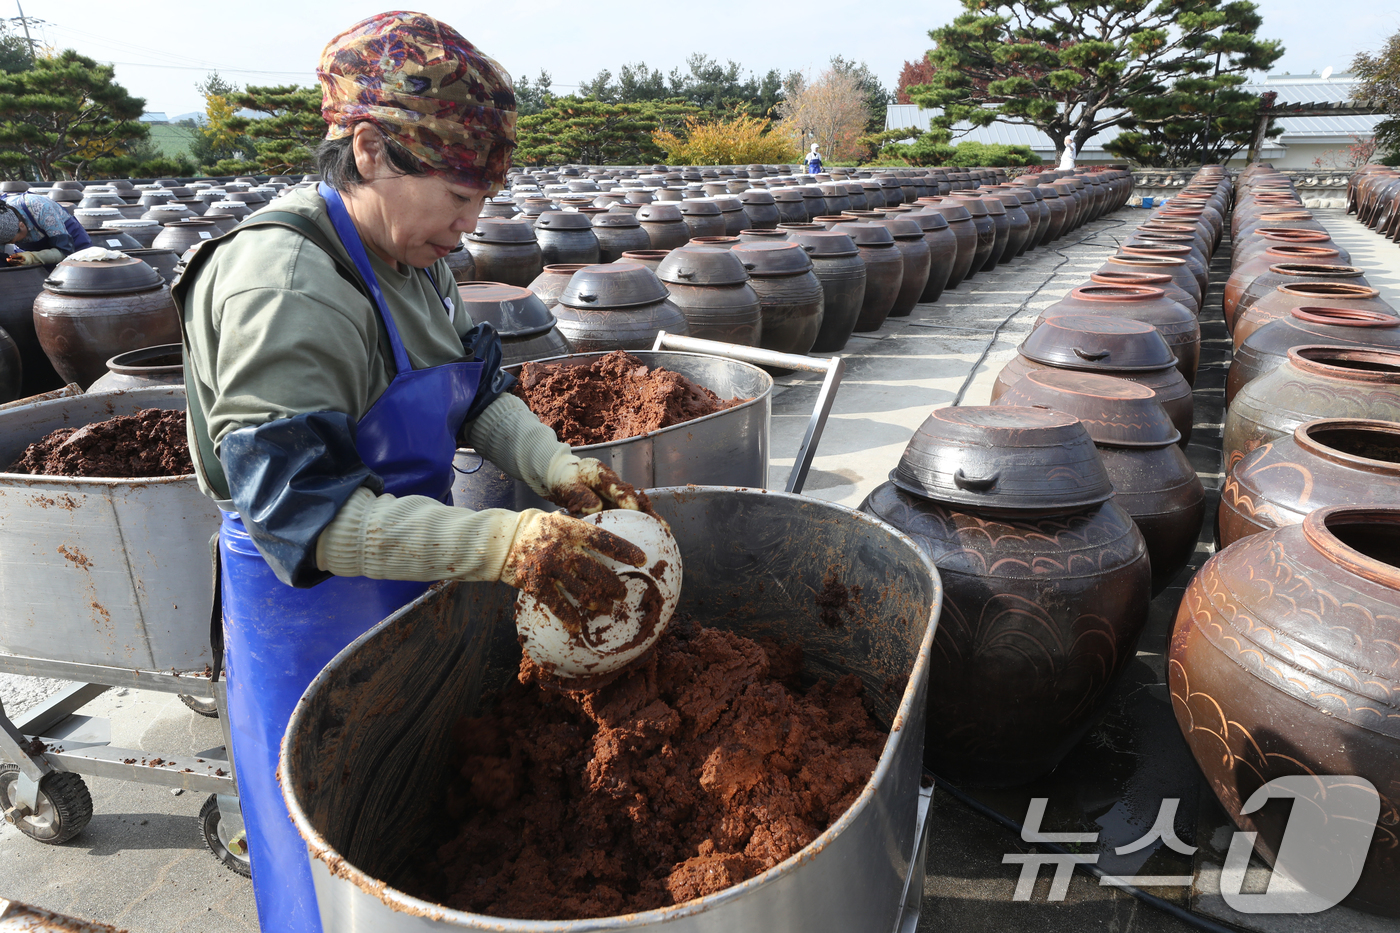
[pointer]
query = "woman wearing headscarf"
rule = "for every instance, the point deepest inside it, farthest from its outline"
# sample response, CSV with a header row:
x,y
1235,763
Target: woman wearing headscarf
x,y
814,160
332,372
37,231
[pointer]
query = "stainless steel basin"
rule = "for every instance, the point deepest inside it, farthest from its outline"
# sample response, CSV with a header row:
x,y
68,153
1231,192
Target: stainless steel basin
x,y
367,752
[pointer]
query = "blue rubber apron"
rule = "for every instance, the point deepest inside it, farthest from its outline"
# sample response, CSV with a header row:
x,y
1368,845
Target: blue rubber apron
x,y
277,638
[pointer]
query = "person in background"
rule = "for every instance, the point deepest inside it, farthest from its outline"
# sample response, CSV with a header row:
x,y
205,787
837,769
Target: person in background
x,y
37,231
814,160
1067,158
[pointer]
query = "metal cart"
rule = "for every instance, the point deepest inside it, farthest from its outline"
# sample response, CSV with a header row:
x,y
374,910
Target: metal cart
x,y
105,583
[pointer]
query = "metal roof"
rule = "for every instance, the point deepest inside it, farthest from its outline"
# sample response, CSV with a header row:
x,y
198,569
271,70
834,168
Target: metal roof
x,y
1299,128
1304,89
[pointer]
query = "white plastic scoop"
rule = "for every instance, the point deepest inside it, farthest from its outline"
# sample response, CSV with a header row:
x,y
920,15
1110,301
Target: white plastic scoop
x,y
608,643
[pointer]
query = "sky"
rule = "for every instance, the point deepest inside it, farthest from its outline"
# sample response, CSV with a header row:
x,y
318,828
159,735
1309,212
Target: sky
x,y
161,48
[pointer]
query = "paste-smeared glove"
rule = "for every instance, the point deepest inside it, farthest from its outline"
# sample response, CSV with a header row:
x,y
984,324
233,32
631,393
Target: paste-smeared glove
x,y
25,259
584,487
554,558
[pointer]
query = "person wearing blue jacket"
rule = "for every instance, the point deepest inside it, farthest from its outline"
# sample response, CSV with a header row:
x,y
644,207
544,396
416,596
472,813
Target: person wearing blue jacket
x,y
37,231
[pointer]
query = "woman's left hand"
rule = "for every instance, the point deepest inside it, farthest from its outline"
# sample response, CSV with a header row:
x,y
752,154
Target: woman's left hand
x,y
585,486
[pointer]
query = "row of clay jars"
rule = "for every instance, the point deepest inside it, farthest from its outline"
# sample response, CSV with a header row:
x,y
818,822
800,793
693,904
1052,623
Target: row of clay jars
x,y
939,241
1314,382
1174,321
1242,275
1046,585
1291,273
1152,479
1322,323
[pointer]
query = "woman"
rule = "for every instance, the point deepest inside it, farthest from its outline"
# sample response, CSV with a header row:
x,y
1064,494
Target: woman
x,y
1068,156
332,372
37,231
814,160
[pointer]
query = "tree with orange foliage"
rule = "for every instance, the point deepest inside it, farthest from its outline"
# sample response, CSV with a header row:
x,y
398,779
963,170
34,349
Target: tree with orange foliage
x,y
913,74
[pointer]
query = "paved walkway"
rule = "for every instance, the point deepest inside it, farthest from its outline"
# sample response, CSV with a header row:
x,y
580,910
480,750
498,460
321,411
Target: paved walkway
x,y
141,863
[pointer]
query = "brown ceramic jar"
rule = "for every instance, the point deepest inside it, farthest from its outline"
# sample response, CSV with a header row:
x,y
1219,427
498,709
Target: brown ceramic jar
x,y
789,292
1161,265
1267,347
1245,273
1291,273
884,272
618,232
665,224
1314,382
942,251
964,231
616,306
711,287
1046,585
505,250
1174,321
150,366
552,281
566,237
1282,662
838,267
1130,350
1331,461
90,311
19,286
1152,479
909,240
1285,298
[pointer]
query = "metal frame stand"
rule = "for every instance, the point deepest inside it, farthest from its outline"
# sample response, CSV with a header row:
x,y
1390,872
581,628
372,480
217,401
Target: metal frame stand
x,y
834,368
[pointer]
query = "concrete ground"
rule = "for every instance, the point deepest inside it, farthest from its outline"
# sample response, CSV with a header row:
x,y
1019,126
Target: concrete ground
x,y
141,864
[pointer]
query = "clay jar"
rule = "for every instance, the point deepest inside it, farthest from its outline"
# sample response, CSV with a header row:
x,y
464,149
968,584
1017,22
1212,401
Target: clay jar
x,y
616,306
909,240
19,286
942,250
986,231
1001,225
618,232
1035,209
665,224
1244,274
90,311
1290,273
505,250
964,232
1159,265
164,261
566,237
732,213
552,281
702,218
651,258
1152,479
1281,662
181,235
527,329
1267,347
1151,279
1283,299
838,267
760,208
1267,238
788,290
1174,321
1333,461
791,205
1314,382
1185,253
461,264
150,366
1130,350
711,287
1046,585
884,272
1059,213
1019,228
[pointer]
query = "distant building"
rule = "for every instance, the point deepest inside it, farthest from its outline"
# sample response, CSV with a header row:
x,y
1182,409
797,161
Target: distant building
x,y
1304,139
154,116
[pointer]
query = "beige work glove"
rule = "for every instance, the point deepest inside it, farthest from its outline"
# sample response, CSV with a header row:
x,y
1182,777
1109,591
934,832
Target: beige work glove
x,y
25,259
554,559
584,487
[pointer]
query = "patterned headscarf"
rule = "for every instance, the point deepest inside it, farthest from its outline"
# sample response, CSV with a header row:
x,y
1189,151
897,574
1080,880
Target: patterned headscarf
x,y
428,89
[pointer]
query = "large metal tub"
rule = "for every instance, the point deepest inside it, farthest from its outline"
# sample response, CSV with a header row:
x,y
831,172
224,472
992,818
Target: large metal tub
x,y
367,752
728,448
113,572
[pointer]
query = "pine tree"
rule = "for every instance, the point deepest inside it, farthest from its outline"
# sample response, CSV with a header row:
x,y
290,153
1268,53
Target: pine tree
x,y
1075,67
65,117
595,132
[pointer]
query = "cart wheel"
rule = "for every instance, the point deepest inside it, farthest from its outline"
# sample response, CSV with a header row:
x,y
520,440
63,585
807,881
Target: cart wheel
x,y
65,806
204,706
216,839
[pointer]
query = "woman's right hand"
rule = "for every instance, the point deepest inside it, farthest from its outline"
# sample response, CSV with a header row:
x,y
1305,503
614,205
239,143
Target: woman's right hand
x,y
555,558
